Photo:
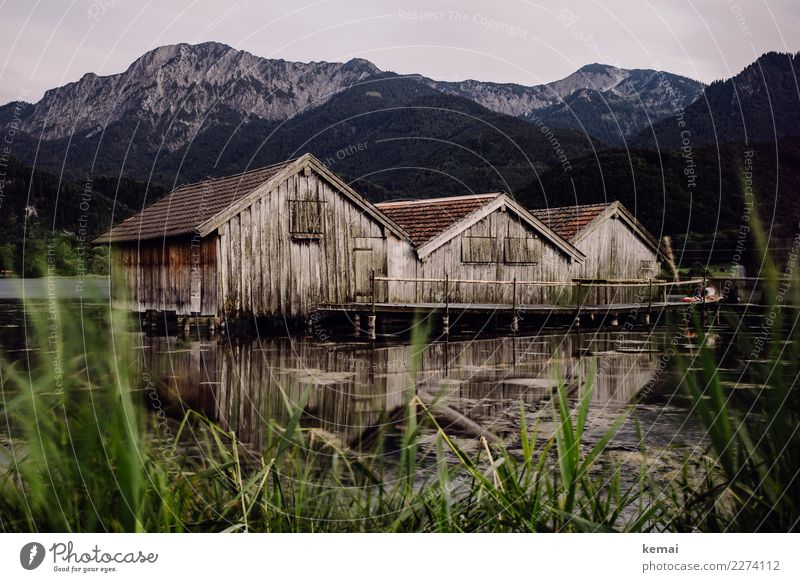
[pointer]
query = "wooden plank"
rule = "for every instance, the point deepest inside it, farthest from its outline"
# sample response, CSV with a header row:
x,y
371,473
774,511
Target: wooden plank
x,y
235,253
283,253
245,260
270,281
210,292
223,254
258,271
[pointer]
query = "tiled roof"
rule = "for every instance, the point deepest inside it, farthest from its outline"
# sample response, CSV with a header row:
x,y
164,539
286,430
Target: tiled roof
x,y
426,219
568,221
184,209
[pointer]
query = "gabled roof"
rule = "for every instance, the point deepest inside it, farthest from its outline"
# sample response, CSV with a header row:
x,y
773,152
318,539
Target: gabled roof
x,y
204,206
184,209
424,219
568,221
576,222
431,223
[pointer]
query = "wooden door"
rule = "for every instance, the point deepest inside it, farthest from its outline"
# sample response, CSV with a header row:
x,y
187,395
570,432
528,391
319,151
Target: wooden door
x,y
363,265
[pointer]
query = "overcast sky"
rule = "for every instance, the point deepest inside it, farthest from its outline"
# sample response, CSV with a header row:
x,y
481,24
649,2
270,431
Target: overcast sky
x,y
48,43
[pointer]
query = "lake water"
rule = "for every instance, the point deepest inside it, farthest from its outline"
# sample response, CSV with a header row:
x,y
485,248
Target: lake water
x,y
477,384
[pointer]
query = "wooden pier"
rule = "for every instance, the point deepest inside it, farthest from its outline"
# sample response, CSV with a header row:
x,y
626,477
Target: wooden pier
x,y
654,304
498,308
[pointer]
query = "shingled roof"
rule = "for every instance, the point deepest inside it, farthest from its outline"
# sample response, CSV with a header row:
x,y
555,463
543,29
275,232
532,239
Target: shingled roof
x,y
568,221
184,209
425,219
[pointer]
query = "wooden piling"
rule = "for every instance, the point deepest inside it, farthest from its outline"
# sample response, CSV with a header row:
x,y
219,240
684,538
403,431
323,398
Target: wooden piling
x,y
514,316
703,303
446,317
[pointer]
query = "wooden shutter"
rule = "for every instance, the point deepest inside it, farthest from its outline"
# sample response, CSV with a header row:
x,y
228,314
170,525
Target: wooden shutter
x,y
305,218
522,250
477,249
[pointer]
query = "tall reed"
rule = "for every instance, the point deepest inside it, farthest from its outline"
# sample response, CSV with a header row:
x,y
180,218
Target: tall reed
x,y
751,480
76,459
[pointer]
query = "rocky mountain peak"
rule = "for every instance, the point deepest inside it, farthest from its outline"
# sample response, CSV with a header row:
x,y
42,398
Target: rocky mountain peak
x,y
362,65
185,86
595,77
595,68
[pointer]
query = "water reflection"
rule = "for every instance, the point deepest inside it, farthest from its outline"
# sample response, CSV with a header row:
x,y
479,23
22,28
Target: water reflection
x,y
478,385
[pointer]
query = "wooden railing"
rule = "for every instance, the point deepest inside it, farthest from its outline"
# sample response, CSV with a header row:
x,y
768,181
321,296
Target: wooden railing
x,y
577,283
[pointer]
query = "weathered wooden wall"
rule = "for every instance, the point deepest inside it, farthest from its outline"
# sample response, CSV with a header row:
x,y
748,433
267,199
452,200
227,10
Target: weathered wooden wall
x,y
268,270
175,274
614,251
498,239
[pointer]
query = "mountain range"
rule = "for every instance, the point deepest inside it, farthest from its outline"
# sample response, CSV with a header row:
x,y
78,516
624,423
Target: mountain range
x,y
176,95
185,112
179,88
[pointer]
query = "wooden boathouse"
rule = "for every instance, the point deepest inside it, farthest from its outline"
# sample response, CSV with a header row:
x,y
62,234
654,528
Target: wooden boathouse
x,y
464,240
273,242
616,247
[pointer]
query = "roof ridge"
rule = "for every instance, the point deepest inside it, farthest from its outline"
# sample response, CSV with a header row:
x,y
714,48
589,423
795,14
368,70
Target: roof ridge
x,y
569,221
174,213
442,199
254,170
574,206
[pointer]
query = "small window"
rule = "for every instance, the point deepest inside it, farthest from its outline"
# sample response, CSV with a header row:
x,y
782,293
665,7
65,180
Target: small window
x,y
306,218
477,249
521,250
